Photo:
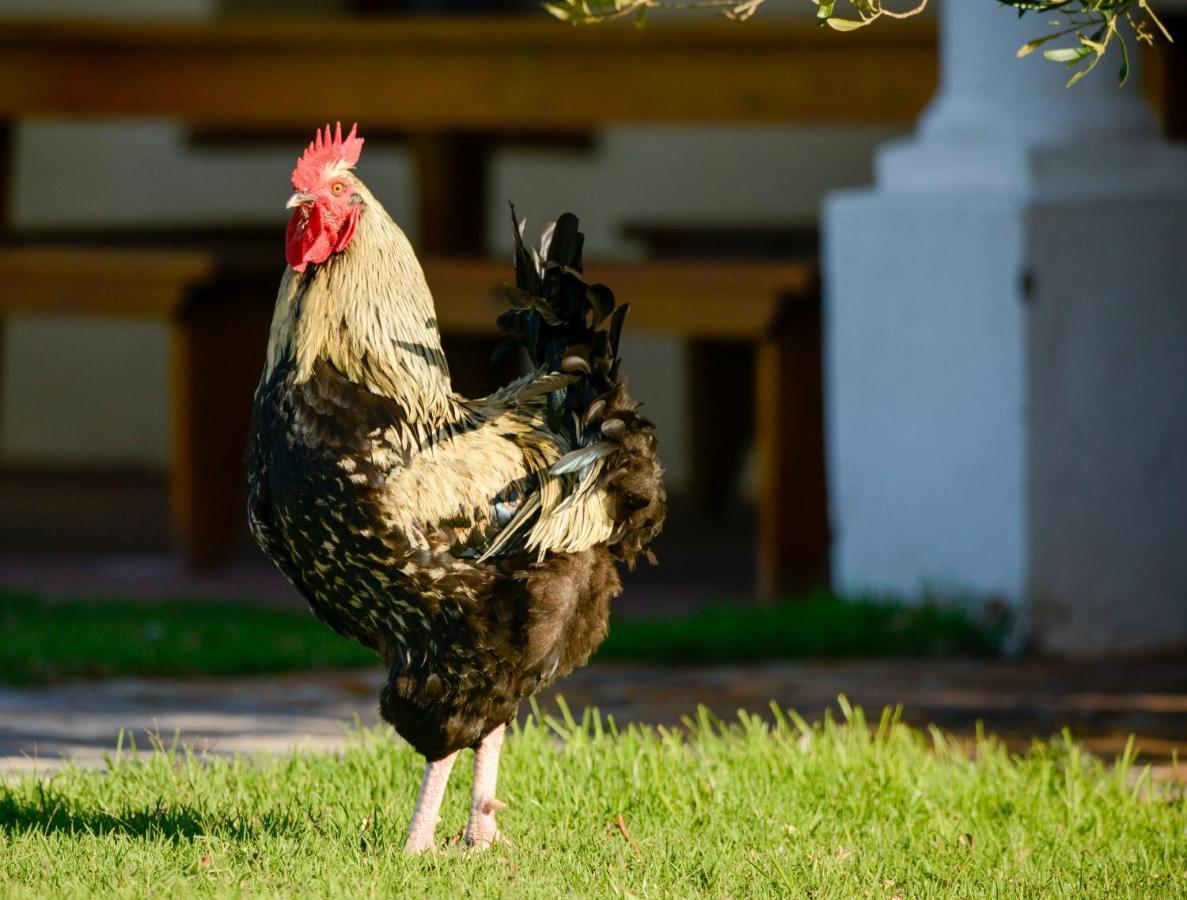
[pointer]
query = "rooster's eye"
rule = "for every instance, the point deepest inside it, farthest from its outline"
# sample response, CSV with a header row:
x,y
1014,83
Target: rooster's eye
x,y
337,187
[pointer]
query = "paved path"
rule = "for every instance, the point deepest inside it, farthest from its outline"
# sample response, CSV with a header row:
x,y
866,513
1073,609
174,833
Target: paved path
x,y
1102,702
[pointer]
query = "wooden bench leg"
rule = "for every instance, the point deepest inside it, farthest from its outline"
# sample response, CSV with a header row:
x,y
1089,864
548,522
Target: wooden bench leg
x,y
3,356
451,179
184,451
452,184
7,136
218,353
7,173
793,542
720,416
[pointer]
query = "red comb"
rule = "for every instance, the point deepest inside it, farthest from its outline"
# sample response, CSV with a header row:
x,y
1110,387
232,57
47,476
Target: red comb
x,y
325,150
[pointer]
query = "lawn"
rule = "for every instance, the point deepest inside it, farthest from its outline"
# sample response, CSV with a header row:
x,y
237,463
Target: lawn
x,y
819,625
745,810
50,641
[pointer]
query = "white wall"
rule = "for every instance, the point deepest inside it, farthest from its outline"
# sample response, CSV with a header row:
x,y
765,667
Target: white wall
x,y
1108,415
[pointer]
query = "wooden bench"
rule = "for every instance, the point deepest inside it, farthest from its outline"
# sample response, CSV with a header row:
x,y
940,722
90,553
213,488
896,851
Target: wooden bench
x,y
219,329
153,285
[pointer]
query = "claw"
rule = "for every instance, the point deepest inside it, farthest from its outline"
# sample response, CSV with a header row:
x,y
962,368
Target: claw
x,y
481,831
483,842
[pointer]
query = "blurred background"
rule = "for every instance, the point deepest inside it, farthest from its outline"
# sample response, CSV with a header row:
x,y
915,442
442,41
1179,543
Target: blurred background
x,y
920,345
88,399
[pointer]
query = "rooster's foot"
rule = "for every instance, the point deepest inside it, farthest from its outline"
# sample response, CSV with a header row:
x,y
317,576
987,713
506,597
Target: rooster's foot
x,y
482,832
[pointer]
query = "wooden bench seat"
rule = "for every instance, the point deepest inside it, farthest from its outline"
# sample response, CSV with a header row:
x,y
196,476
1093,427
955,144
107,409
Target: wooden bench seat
x,y
219,329
127,283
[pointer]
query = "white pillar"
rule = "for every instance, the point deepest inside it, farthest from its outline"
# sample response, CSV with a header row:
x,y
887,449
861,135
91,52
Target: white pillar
x,y
1006,349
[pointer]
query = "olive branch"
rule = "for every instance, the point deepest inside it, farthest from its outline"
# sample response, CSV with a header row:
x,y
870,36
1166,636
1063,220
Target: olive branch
x,y
1091,26
1096,25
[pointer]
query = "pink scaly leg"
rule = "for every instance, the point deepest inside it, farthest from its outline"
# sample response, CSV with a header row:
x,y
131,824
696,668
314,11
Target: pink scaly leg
x,y
481,831
422,833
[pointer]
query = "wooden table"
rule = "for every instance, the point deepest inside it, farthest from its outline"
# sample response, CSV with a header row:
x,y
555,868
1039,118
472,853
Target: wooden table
x,y
456,88
490,75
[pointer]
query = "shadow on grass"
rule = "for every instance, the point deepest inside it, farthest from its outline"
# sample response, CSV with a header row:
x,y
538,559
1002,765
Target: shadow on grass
x,y
174,822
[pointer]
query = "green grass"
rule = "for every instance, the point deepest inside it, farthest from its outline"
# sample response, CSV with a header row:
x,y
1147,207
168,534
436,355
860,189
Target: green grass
x,y
746,810
42,641
820,625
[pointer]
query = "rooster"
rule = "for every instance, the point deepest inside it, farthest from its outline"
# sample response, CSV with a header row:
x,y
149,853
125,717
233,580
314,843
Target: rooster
x,y
473,544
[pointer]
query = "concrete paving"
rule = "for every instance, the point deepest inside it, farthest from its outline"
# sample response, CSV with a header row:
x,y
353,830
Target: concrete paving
x,y
1103,703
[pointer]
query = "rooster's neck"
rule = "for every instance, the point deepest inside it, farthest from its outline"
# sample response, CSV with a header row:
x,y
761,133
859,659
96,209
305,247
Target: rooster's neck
x,y
368,311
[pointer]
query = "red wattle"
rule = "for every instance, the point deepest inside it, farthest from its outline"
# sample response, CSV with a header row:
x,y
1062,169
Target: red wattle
x,y
347,232
311,239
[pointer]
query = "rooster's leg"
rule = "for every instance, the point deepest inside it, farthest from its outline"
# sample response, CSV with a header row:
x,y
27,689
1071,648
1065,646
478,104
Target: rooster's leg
x,y
481,831
422,832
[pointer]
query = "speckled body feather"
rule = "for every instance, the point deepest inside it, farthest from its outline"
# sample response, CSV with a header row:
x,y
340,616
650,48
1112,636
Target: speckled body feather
x,y
473,544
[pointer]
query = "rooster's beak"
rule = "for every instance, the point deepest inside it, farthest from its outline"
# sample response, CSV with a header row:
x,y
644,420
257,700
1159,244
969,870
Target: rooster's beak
x,y
299,199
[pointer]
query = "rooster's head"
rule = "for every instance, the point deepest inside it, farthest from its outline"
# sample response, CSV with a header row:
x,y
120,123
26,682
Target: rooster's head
x,y
326,205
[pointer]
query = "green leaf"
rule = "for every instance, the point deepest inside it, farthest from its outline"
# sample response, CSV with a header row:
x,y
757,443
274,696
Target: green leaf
x,y
824,9
846,24
1066,54
641,17
1031,46
564,13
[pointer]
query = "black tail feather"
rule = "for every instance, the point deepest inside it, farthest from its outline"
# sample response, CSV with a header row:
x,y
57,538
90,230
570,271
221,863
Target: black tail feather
x,y
571,326
565,323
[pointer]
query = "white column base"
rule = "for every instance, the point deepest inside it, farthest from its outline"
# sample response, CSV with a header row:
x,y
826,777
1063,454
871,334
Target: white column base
x,y
925,389
1006,354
